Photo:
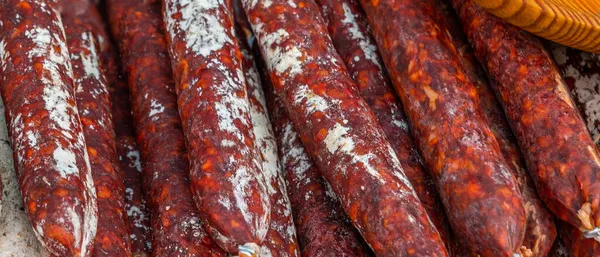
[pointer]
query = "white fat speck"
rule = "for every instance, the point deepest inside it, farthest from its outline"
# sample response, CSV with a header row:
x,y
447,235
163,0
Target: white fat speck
x,y
291,3
227,143
90,61
31,136
281,59
129,194
313,102
338,141
401,124
134,156
202,30
365,42
155,108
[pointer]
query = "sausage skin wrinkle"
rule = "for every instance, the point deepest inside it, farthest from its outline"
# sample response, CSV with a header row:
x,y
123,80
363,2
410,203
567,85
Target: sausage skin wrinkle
x,y
339,130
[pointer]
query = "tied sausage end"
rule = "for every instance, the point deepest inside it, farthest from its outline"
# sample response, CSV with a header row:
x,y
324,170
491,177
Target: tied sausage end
x,y
524,252
587,224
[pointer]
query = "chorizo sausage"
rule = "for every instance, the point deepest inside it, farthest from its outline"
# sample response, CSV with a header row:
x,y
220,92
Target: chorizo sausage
x,y
581,73
562,158
281,237
176,224
582,76
49,146
322,227
138,218
213,105
339,130
16,235
93,103
351,37
449,127
540,231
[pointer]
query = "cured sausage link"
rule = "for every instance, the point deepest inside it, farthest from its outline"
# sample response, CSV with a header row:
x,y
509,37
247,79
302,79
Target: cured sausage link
x,y
93,103
138,216
322,227
581,73
351,36
540,231
49,146
281,237
449,127
225,167
559,151
176,224
339,130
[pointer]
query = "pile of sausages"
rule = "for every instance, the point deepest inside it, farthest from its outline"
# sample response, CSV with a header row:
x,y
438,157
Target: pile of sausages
x,y
293,128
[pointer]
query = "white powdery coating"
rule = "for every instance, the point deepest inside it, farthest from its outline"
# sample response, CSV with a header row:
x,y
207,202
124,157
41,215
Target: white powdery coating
x,y
295,152
312,101
90,61
66,162
4,55
16,234
155,109
338,141
134,157
366,45
64,117
202,31
271,167
263,132
278,58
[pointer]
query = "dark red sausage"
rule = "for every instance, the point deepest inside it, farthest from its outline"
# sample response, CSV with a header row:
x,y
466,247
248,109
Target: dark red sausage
x,y
581,73
541,229
138,217
281,237
176,224
49,146
481,198
562,158
351,37
93,103
225,168
339,130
